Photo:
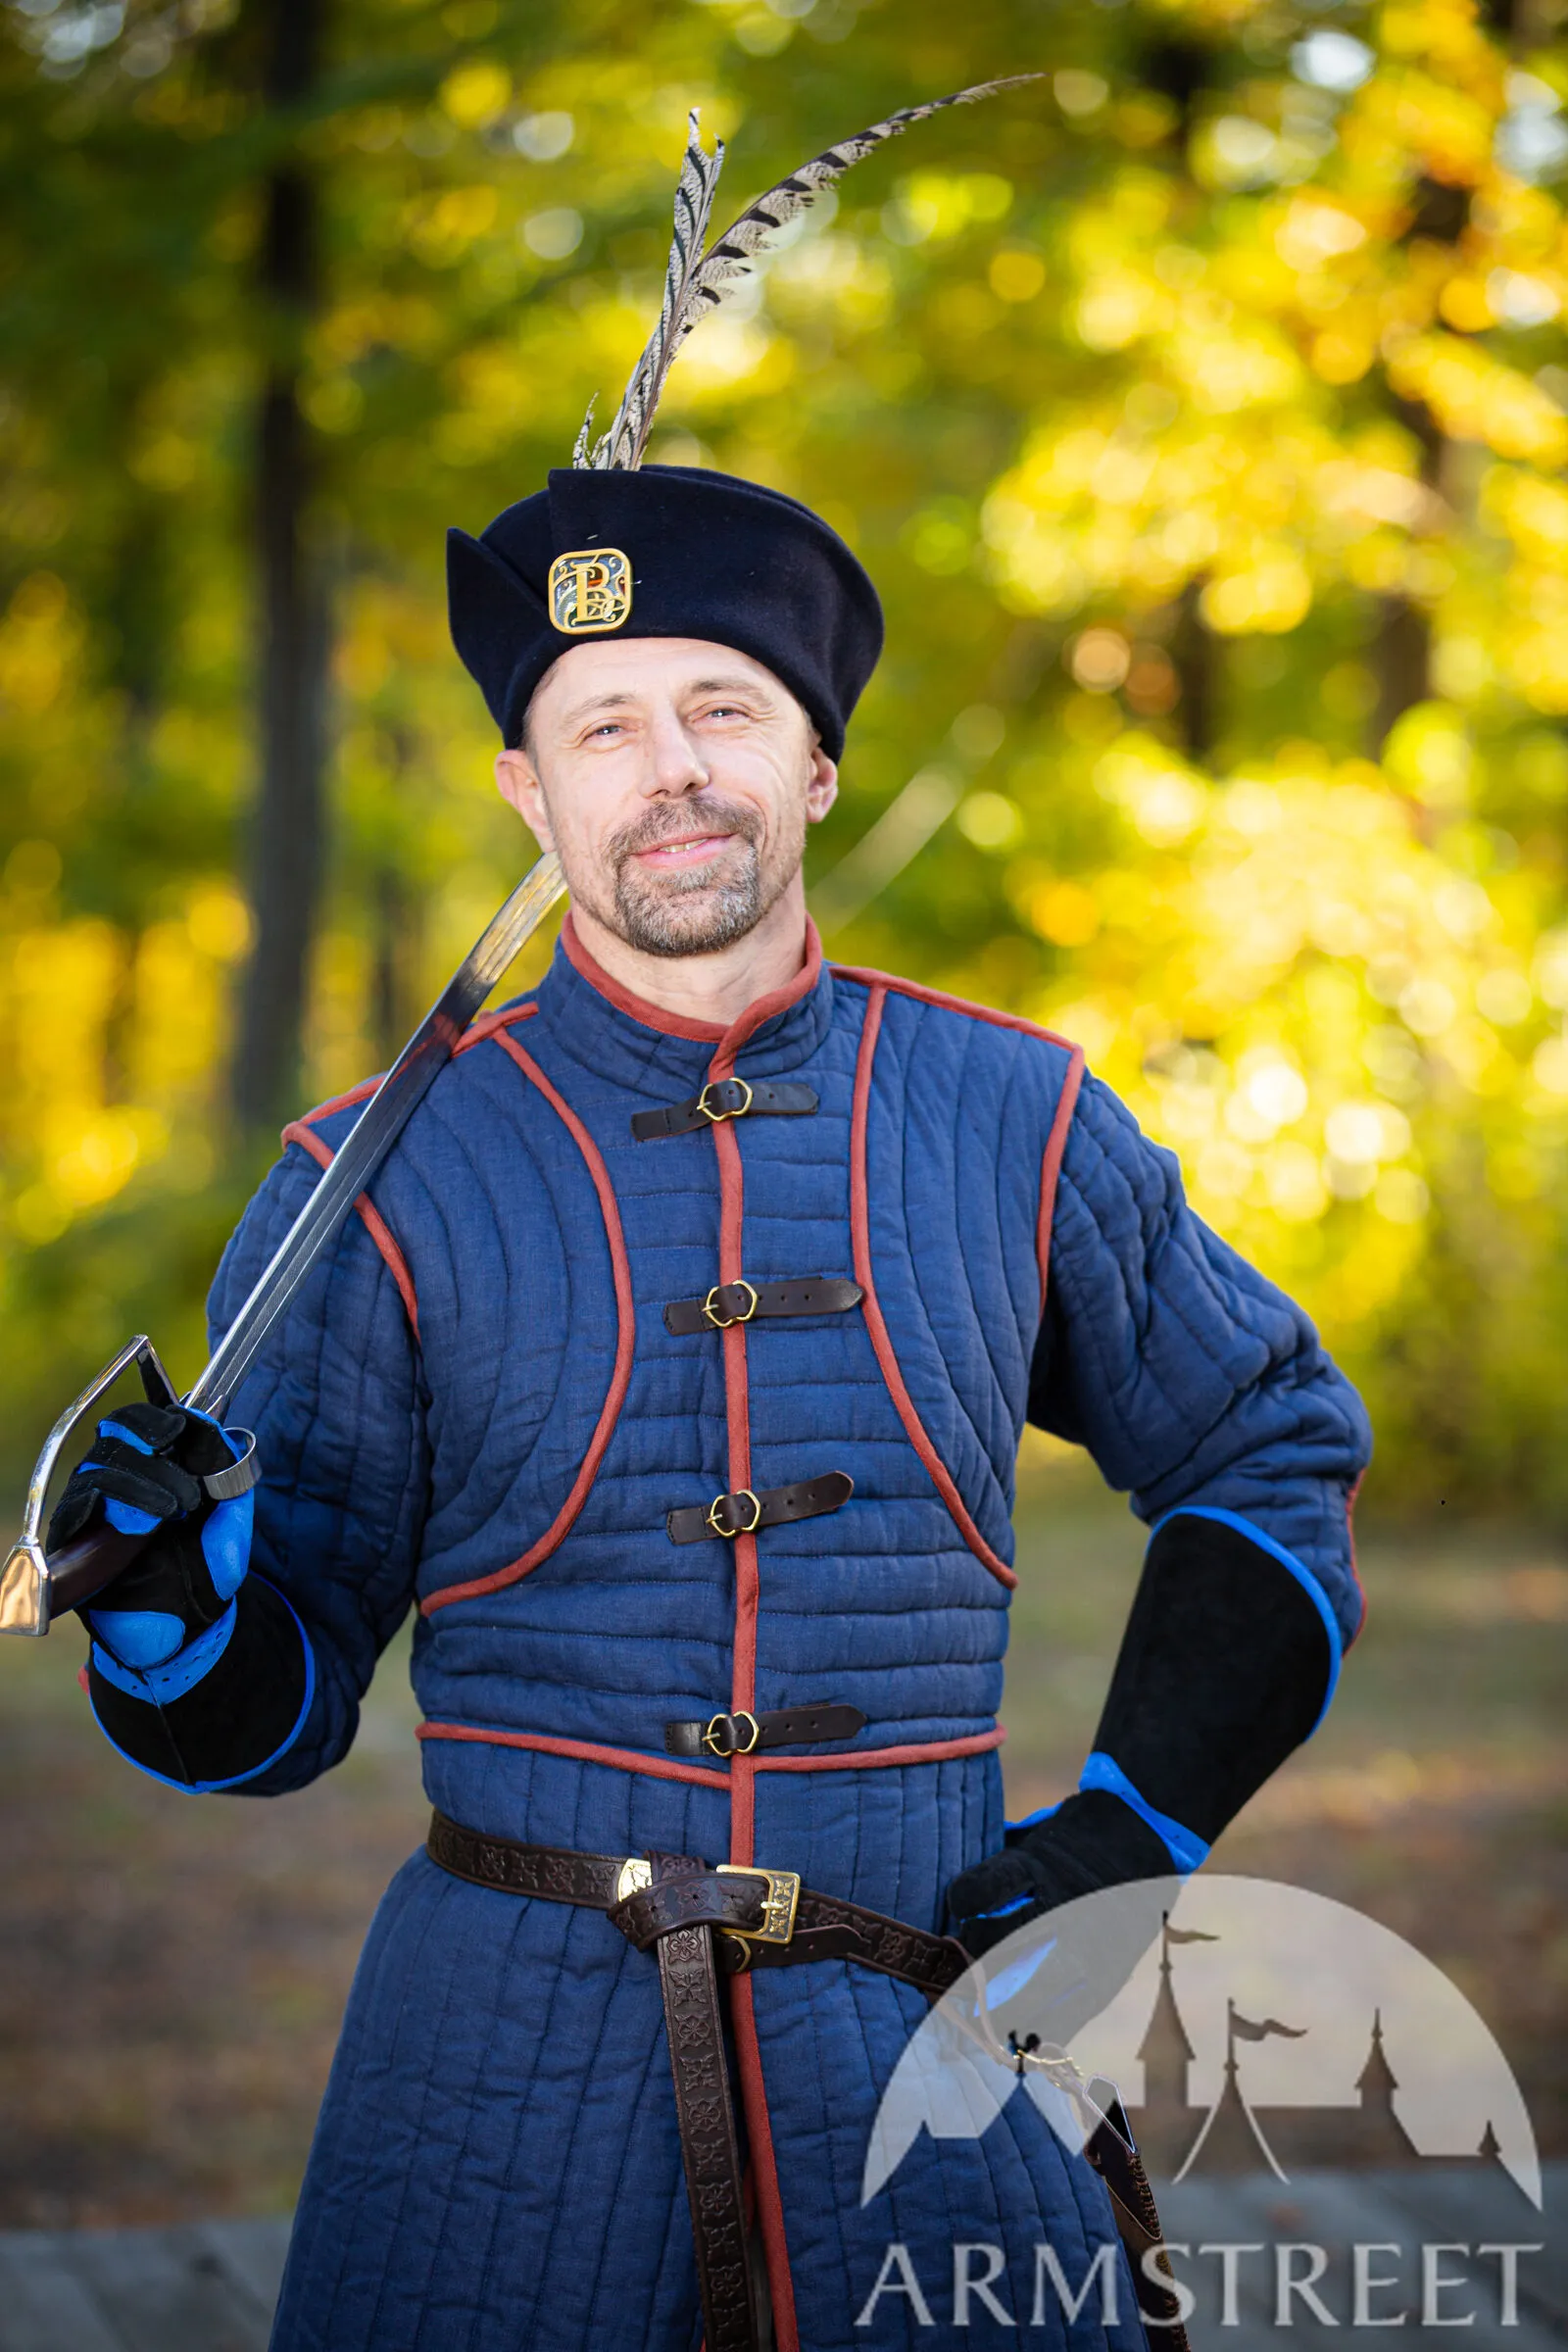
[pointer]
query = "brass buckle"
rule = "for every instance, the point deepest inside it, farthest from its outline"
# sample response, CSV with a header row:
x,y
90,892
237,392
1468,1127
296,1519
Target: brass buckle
x,y
736,1748
741,1495
717,1116
724,1322
779,1903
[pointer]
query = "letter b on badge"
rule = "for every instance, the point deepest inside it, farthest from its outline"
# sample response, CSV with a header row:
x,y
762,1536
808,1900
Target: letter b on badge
x,y
589,591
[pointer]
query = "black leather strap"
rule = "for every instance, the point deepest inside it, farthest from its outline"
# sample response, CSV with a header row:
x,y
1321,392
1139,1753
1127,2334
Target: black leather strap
x,y
731,1302
553,1872
725,1098
744,1734
702,1921
705,2107
825,1927
741,1514
1111,2151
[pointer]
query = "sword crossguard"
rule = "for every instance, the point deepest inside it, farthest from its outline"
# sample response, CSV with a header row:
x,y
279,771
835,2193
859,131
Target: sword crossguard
x,y
35,1590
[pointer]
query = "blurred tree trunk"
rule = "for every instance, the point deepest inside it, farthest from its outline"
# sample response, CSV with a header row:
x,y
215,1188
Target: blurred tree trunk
x,y
1401,645
1194,652
396,918
288,828
1402,662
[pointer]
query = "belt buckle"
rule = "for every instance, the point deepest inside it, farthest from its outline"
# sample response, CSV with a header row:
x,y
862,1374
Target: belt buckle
x,y
779,1903
717,1118
729,1534
724,1322
738,1745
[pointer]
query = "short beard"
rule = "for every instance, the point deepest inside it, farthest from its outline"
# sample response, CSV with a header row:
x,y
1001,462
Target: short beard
x,y
700,910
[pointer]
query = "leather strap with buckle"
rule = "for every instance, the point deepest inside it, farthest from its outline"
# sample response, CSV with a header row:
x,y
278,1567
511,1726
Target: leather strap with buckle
x,y
743,1513
749,1906
731,1302
702,1920
724,1098
743,1734
699,1919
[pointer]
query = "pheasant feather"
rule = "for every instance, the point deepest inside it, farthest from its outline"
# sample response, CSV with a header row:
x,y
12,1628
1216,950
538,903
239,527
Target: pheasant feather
x,y
698,281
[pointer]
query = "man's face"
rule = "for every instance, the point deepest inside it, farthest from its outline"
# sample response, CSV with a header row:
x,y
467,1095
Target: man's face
x,y
675,779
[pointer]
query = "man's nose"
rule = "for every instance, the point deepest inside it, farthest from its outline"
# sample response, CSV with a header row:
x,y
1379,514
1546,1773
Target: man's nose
x,y
675,763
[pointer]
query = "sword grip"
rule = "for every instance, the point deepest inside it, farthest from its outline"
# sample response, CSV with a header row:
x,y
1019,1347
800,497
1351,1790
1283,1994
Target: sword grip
x,y
78,1571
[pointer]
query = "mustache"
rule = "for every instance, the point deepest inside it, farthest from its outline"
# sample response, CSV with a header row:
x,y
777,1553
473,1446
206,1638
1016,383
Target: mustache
x,y
656,826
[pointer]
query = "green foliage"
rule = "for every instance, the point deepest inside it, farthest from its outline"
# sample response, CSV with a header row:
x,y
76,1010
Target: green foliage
x,y
1199,410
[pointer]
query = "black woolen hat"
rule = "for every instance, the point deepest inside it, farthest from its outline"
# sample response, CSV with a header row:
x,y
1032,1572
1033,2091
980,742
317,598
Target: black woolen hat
x,y
710,557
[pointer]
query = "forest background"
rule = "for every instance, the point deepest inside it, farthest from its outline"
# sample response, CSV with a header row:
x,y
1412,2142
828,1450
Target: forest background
x,y
1200,407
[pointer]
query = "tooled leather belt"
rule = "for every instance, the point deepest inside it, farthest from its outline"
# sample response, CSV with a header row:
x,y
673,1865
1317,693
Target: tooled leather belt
x,y
702,1920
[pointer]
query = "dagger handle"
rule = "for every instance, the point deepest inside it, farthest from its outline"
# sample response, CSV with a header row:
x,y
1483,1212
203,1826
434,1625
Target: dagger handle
x,y
80,1570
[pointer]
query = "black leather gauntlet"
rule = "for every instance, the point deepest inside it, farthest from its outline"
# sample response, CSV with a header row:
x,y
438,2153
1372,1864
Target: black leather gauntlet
x,y
1228,1661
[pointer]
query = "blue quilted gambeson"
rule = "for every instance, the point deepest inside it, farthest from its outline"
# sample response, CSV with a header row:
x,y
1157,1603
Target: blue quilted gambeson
x,y
476,1406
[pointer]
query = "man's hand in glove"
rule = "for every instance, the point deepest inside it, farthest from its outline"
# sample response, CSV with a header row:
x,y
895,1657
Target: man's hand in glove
x,y
1090,1841
144,1476
199,1672
1228,1661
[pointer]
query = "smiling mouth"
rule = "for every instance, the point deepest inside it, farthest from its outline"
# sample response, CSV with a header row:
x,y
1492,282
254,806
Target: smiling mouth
x,y
691,849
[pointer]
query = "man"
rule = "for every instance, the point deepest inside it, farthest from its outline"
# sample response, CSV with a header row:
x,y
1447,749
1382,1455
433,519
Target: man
x,y
676,1370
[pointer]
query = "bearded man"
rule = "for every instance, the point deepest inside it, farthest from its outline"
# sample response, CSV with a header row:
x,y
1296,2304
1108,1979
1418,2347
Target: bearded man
x,y
674,1373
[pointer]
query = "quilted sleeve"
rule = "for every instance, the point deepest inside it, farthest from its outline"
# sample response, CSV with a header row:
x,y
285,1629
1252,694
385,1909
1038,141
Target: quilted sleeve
x,y
336,1402
1193,1380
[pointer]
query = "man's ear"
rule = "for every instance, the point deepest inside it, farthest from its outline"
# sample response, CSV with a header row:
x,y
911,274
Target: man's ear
x,y
821,785
519,785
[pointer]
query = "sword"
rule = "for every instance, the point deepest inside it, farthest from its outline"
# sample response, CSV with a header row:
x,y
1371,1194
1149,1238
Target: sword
x,y
35,1588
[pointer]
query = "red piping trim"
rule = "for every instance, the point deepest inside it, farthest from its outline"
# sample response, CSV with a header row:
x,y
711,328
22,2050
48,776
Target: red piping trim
x,y
729,1038
860,1228
489,1023
625,1341
935,996
585,1751
1051,1167
705,1776
760,2134
1356,1571
324,1110
636,1008
299,1131
376,1225
737,1409
766,1008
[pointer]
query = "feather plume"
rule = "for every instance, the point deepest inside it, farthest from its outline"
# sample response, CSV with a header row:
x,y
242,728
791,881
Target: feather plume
x,y
579,447
697,282
694,202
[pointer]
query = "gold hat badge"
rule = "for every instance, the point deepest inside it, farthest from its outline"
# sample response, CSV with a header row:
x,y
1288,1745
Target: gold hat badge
x,y
589,591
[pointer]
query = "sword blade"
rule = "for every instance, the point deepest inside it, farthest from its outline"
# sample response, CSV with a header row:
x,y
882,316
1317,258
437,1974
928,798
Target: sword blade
x,y
377,1130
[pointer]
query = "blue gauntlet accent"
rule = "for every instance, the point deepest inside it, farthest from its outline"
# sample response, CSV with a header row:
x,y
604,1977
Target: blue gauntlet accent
x,y
158,1683
1104,1772
270,1668
124,1515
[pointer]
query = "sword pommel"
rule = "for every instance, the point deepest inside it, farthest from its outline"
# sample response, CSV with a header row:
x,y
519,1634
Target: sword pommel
x,y
24,1590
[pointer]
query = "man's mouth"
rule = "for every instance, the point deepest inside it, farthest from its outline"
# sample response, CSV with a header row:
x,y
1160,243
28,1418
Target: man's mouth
x,y
687,849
